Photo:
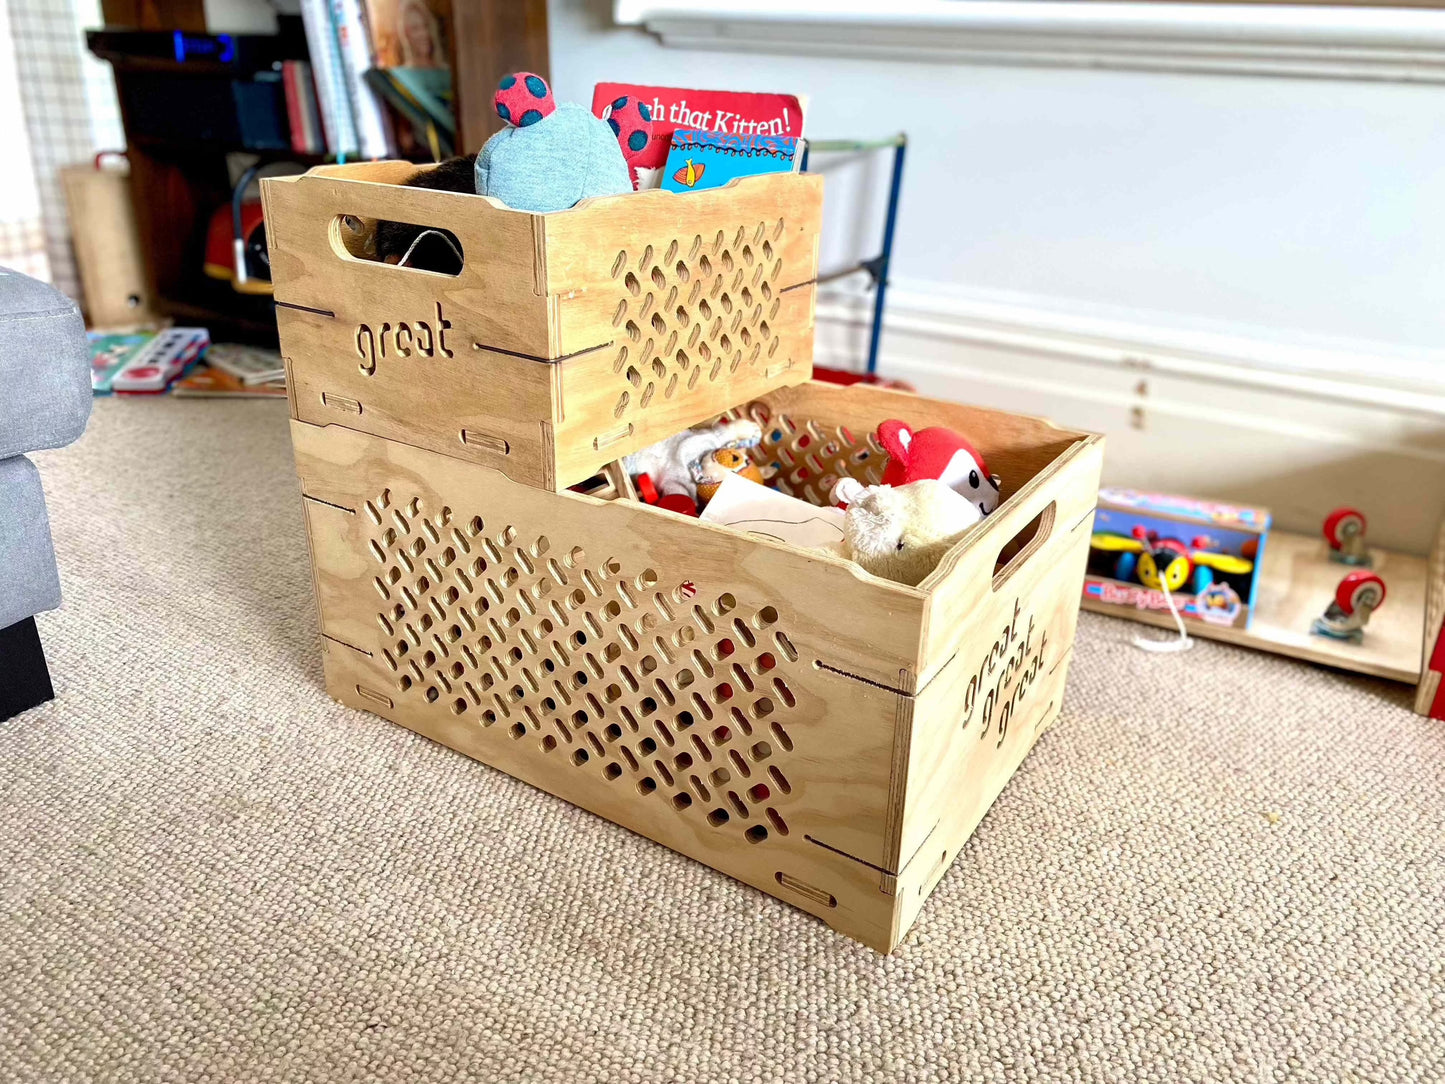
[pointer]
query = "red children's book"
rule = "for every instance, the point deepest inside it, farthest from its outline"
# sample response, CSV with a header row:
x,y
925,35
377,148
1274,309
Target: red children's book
x,y
733,112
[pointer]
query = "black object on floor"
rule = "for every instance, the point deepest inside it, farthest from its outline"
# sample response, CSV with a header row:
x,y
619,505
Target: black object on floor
x,y
24,678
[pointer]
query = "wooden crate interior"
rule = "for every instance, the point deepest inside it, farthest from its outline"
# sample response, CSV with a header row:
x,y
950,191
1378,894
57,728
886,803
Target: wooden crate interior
x,y
817,433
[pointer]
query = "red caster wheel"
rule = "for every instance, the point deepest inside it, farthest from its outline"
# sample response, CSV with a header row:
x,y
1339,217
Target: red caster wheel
x,y
1358,596
1344,530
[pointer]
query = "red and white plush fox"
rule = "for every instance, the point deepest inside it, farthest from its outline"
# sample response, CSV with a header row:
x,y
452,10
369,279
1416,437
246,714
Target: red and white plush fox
x,y
936,453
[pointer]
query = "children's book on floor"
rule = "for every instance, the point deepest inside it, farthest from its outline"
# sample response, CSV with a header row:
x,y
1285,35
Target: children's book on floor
x,y
110,353
205,382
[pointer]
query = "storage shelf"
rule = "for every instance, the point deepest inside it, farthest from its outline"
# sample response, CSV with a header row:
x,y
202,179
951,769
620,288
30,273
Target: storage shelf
x,y
1297,581
181,148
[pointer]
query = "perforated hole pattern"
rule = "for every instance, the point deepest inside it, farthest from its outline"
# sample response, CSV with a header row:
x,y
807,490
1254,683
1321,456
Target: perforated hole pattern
x,y
810,458
692,312
650,686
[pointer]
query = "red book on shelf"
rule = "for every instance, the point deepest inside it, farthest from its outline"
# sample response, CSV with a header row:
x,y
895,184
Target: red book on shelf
x,y
310,108
294,114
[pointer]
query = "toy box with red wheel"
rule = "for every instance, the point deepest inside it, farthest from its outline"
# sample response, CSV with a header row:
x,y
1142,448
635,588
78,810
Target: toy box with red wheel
x,y
1329,596
1151,551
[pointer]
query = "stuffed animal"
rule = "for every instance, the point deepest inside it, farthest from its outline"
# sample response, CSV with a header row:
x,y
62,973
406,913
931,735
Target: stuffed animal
x,y
711,469
671,463
550,156
901,532
935,452
631,121
421,246
938,453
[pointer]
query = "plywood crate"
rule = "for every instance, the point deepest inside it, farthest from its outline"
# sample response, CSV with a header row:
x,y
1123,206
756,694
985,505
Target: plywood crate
x,y
567,340
826,736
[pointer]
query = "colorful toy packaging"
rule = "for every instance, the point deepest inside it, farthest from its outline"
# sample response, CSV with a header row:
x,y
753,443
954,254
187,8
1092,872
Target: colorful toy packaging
x,y
1149,549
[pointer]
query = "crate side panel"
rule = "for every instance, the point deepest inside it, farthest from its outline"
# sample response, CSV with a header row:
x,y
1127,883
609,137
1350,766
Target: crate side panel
x,y
978,718
660,649
359,378
972,575
869,628
495,300
847,895
761,231
965,748
694,361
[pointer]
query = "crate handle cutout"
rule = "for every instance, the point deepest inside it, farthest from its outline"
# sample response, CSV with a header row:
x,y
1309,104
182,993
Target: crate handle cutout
x,y
354,238
1029,540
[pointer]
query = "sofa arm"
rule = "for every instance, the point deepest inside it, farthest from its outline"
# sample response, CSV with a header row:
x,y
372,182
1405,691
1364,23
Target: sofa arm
x,y
45,395
29,583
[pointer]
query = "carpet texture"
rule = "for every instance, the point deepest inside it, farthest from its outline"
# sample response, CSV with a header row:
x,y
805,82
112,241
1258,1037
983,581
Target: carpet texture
x,y
1220,866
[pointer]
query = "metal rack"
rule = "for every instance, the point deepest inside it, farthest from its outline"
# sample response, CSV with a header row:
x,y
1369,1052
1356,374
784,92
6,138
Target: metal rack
x,y
877,266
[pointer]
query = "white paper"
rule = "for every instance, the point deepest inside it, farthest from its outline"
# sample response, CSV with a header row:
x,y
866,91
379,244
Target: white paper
x,y
745,505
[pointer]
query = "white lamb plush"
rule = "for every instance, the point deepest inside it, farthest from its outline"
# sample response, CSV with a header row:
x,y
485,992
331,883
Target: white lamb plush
x,y
901,533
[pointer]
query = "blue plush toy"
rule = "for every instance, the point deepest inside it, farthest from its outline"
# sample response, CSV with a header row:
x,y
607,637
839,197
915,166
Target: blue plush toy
x,y
550,156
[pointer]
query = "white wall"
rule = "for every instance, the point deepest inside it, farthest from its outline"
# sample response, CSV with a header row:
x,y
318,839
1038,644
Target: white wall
x,y
1248,223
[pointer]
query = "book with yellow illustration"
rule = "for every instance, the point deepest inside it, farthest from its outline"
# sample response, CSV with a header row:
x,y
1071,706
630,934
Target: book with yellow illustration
x,y
701,160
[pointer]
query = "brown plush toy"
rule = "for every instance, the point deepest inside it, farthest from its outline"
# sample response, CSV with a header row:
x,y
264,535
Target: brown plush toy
x,y
712,469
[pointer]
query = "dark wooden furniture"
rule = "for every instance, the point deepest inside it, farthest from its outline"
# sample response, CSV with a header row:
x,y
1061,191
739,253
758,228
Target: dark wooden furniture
x,y
24,677
493,37
178,185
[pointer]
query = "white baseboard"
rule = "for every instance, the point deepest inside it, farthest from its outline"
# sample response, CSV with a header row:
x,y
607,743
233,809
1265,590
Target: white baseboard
x,y
1227,415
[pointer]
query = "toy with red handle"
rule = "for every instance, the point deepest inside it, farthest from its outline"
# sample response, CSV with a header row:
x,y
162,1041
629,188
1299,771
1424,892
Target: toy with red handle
x,y
1358,596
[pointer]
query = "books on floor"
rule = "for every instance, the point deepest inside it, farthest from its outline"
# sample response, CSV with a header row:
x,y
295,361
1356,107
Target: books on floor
x,y
248,364
205,382
150,369
110,353
183,361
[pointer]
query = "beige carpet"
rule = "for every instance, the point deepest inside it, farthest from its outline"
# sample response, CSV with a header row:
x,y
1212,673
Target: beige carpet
x,y
1222,866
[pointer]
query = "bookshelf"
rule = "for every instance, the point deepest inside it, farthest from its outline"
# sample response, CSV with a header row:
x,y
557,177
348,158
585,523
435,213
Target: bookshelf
x,y
177,183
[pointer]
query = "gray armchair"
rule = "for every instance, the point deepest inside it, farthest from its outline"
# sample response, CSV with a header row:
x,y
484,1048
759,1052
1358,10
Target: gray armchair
x,y
45,402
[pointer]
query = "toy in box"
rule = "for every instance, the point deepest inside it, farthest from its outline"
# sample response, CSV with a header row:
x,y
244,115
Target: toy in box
x,y
1149,548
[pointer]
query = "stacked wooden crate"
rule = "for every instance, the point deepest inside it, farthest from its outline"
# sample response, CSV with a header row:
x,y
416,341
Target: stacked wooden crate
x,y
827,736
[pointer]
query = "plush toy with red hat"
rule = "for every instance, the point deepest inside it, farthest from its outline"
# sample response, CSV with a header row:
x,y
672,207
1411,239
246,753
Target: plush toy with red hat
x,y
550,156
933,453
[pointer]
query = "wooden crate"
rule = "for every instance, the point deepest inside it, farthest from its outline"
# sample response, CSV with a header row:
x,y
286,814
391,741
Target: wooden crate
x,y
567,340
826,736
